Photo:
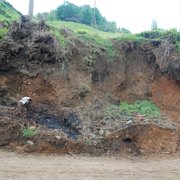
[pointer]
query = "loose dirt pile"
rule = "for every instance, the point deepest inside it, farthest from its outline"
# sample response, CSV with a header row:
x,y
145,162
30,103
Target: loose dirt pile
x,y
72,85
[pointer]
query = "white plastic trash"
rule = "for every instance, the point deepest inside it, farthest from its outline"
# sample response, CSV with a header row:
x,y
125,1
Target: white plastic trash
x,y
24,101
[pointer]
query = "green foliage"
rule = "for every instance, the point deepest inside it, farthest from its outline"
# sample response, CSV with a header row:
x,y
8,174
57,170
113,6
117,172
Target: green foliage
x,y
67,11
7,15
7,12
3,31
155,34
146,108
130,38
83,14
178,47
27,132
172,35
86,15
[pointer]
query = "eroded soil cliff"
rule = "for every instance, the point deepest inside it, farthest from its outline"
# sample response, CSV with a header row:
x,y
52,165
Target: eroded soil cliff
x,y
71,85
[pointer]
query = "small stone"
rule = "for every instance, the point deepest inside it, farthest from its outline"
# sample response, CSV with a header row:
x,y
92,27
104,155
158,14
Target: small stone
x,y
32,127
30,143
101,132
58,137
107,133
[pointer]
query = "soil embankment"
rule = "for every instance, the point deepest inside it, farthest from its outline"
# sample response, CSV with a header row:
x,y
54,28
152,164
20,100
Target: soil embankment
x,y
71,85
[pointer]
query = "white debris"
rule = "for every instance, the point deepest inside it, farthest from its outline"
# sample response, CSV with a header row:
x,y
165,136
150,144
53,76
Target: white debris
x,y
129,122
30,143
101,132
58,137
24,100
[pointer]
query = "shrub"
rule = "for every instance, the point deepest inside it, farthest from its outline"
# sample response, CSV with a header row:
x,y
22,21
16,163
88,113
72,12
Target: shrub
x,y
172,35
155,34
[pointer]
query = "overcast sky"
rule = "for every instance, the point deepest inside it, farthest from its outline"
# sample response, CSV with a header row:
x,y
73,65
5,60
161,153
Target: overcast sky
x,y
135,15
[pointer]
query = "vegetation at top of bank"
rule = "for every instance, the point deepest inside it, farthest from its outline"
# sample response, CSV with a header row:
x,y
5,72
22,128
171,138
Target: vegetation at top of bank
x,y
81,14
7,15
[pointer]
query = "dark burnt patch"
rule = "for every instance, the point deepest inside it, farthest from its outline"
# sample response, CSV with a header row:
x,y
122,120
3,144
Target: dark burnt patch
x,y
68,124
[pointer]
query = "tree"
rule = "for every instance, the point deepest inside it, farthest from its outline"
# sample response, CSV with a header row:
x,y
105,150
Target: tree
x,y
86,15
83,14
67,11
31,8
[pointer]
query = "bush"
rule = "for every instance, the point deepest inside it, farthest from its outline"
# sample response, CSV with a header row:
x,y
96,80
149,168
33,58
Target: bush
x,y
172,35
155,34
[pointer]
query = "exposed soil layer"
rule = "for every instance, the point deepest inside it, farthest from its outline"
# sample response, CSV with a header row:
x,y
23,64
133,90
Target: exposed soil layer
x,y
71,85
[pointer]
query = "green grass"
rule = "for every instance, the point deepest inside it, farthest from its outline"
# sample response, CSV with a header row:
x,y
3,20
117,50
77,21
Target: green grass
x,y
98,39
146,108
62,40
3,31
81,28
27,132
8,13
126,111
178,47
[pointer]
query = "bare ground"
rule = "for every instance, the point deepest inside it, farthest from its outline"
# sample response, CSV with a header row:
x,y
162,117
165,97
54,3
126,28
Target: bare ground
x,y
21,166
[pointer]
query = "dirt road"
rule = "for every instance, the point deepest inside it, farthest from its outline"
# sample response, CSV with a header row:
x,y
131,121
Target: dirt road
x,y
35,167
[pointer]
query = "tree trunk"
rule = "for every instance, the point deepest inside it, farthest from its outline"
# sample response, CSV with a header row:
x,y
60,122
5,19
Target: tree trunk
x,y
31,8
94,16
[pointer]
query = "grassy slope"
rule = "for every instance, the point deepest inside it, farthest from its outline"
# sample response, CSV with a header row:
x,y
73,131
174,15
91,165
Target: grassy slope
x,y
97,38
7,15
81,28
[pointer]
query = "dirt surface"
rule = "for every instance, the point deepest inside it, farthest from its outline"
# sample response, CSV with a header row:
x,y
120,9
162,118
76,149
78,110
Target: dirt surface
x,y
19,166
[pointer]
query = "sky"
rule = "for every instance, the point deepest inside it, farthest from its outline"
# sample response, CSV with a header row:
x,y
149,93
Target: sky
x,y
134,15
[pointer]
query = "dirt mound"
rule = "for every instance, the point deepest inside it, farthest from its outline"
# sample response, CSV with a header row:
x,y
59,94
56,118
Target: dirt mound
x,y
72,85
27,46
145,138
